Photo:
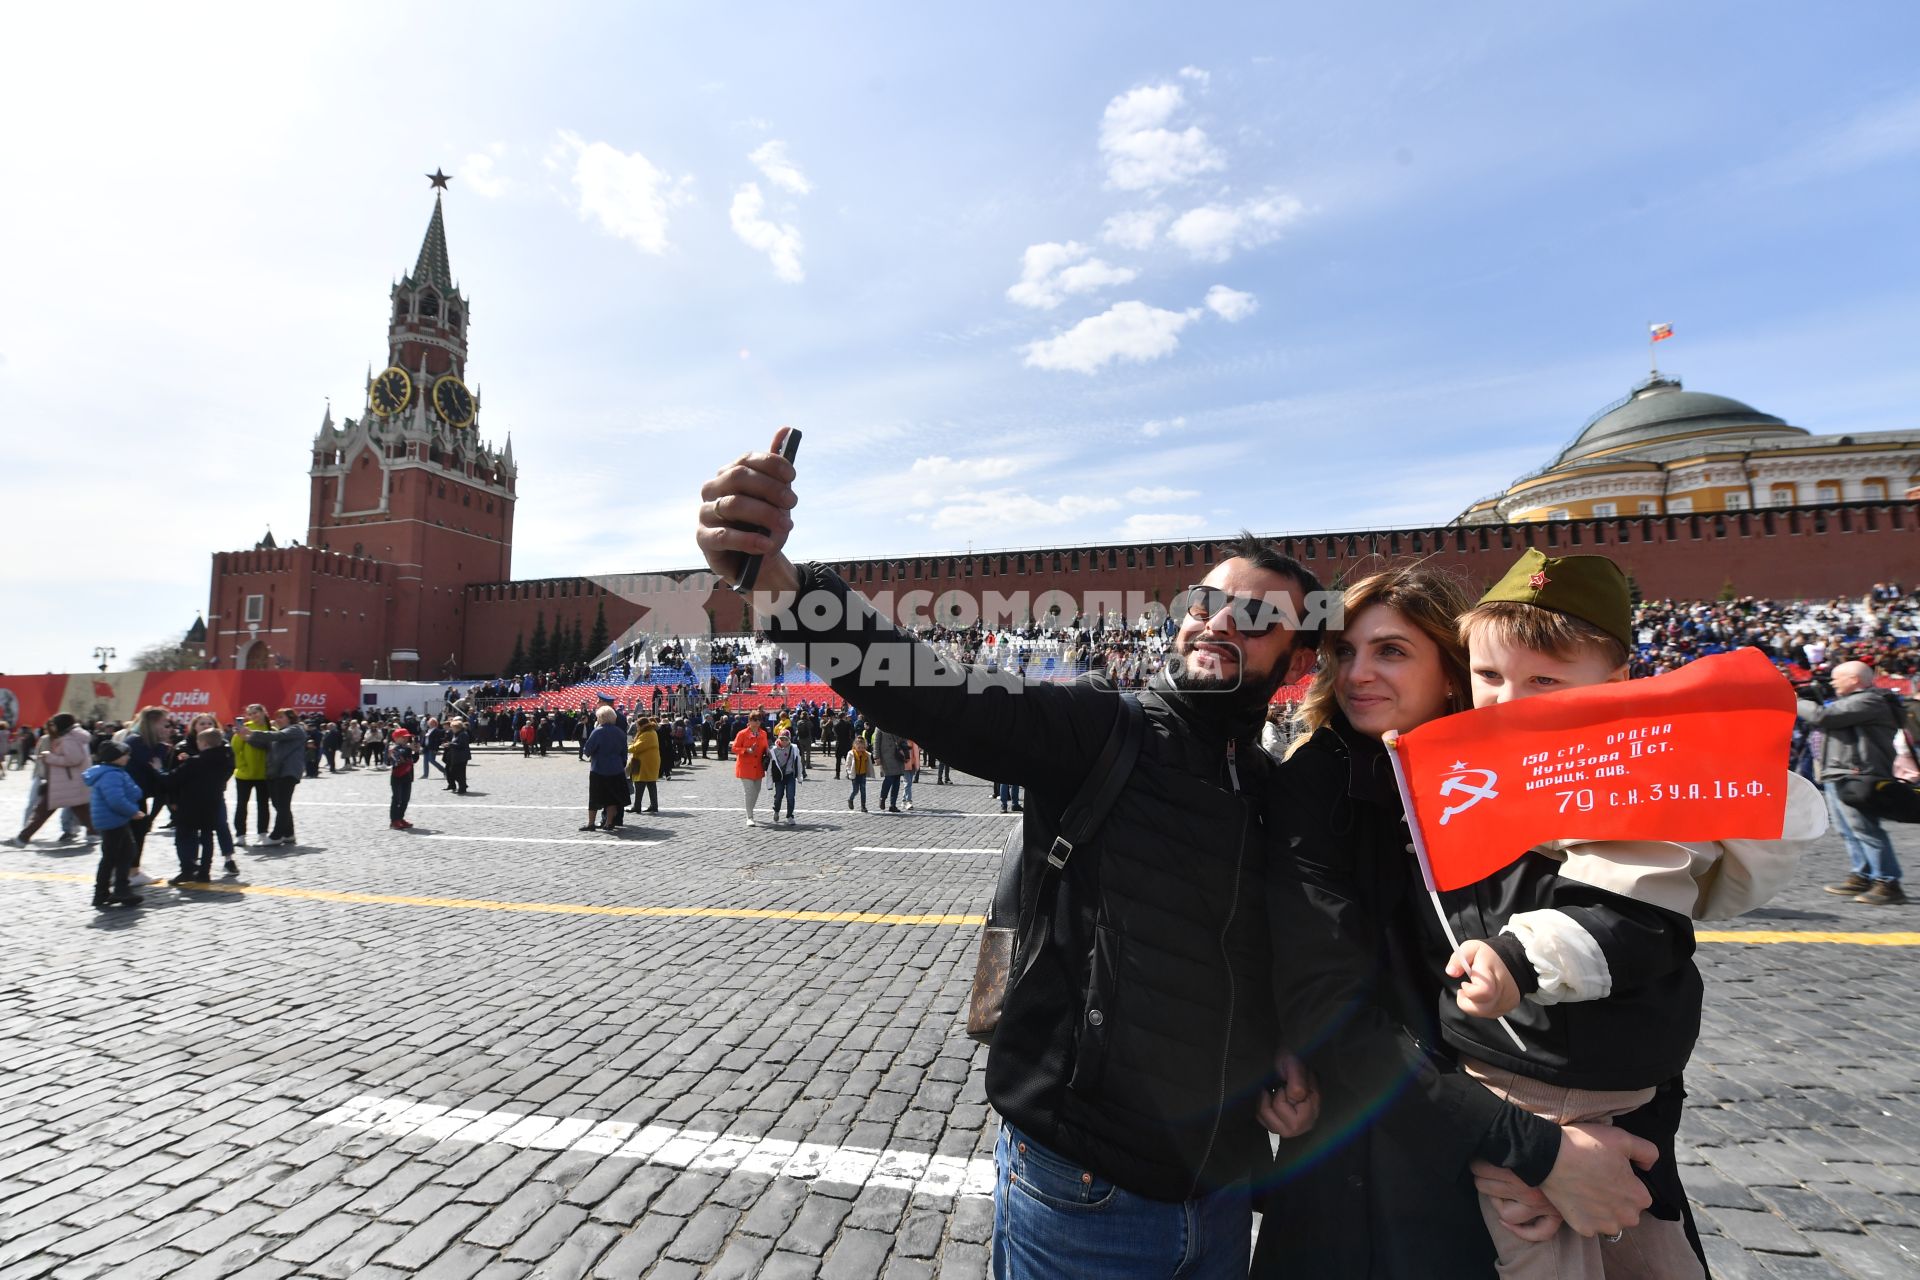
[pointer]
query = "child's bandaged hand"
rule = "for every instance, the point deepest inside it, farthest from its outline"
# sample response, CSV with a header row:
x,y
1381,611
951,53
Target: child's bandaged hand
x,y
1489,990
1291,1105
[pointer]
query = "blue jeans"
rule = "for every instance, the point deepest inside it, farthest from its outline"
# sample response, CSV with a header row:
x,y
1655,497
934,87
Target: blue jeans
x,y
1053,1218
890,791
784,786
1006,793
1869,847
859,792
428,759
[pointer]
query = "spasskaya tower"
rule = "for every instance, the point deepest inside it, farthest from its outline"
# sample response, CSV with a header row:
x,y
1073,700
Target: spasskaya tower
x,y
408,503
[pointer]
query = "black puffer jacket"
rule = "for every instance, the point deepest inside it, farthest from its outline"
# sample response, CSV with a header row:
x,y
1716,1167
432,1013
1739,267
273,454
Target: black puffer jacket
x,y
1380,1188
1138,1041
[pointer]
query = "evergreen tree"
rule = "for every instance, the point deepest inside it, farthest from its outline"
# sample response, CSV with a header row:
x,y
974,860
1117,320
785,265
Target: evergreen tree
x,y
578,641
518,662
597,642
540,653
1727,593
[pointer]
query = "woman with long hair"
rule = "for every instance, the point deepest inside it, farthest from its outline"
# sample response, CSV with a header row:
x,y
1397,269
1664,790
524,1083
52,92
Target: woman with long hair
x,y
1380,1186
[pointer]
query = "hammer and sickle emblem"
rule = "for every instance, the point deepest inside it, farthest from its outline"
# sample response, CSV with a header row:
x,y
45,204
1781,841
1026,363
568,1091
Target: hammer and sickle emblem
x,y
1475,793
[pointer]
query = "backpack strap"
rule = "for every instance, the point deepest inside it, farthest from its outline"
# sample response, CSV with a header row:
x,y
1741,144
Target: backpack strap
x,y
1078,825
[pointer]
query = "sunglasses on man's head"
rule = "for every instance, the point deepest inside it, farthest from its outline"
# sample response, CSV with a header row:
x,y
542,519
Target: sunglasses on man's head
x,y
1251,617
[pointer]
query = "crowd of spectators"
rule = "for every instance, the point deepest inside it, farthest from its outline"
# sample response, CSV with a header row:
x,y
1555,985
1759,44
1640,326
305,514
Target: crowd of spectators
x,y
1881,628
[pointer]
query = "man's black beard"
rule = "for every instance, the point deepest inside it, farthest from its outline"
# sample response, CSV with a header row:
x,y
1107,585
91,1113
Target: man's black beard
x,y
1252,687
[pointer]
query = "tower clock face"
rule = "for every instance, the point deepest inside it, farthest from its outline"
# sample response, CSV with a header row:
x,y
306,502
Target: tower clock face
x,y
391,392
453,401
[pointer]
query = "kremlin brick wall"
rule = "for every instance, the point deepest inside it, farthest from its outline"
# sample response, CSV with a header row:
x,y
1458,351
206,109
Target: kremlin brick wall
x,y
1781,553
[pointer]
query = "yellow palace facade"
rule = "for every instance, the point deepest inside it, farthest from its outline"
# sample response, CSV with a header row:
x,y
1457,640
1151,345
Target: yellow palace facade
x,y
1664,450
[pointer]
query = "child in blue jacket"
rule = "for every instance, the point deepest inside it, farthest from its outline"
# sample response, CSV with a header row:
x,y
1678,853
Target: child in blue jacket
x,y
116,802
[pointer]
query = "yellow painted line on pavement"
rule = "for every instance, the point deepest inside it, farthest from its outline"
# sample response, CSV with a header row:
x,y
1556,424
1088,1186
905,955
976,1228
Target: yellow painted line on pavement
x,y
1749,936
1892,939
539,908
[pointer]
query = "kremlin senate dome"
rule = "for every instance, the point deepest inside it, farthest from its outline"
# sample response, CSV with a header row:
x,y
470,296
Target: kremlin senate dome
x,y
1664,450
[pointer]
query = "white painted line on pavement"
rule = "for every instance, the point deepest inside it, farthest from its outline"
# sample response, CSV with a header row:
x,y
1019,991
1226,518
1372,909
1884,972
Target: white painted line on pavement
x,y
448,835
887,848
918,1172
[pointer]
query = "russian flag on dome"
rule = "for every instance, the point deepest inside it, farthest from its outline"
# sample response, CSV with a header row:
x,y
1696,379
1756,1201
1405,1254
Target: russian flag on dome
x,y
1661,331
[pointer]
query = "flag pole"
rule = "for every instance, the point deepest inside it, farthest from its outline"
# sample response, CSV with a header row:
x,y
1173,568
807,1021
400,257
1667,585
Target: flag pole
x,y
1391,740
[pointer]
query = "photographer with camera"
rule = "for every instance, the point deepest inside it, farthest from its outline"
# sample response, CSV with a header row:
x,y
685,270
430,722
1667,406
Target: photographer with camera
x,y
1858,723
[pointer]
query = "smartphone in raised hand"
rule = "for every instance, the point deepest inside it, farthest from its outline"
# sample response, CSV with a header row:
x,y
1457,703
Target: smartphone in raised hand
x,y
786,443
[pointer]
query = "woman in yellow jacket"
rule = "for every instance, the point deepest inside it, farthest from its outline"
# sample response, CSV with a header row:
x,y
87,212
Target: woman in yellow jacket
x,y
643,764
250,775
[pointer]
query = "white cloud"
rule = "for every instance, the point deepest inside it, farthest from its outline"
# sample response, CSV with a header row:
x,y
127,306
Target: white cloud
x,y
1000,509
1197,75
771,159
966,470
1135,229
1230,304
1049,272
1125,331
1212,232
1142,153
1160,525
1154,428
478,173
623,190
780,241
1160,494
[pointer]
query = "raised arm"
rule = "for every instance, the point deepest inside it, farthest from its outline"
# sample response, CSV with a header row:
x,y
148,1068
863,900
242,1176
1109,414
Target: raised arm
x,y
989,724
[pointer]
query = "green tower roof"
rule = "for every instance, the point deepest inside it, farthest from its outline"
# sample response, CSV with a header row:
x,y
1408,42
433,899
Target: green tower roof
x,y
432,267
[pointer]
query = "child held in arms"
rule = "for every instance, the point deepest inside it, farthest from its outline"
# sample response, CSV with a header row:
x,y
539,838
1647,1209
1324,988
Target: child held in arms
x,y
1589,944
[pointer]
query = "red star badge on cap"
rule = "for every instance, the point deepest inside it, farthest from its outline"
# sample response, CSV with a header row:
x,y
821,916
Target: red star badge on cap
x,y
1538,580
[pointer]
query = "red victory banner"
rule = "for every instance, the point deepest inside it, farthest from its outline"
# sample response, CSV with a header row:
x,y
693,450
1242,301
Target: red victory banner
x,y
1700,754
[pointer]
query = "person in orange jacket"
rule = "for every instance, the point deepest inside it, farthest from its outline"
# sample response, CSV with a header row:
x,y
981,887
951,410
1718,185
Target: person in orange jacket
x,y
750,760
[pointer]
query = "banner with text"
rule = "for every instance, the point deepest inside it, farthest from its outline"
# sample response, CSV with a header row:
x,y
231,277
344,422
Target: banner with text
x,y
225,694
1700,754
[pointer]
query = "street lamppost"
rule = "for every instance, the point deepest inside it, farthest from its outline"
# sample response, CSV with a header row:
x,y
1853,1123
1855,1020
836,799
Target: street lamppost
x,y
104,654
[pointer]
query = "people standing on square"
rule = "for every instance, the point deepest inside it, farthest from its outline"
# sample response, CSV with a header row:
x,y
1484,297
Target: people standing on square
x,y
250,772
910,775
456,755
61,763
1858,728
890,752
114,803
146,762
643,765
783,769
859,765
285,749
197,790
605,751
750,747
400,779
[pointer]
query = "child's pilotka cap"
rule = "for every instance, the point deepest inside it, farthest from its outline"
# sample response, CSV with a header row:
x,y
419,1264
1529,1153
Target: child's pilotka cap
x,y
1590,588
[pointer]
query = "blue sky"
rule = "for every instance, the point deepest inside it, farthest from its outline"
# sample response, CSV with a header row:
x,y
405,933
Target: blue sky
x,y
1023,273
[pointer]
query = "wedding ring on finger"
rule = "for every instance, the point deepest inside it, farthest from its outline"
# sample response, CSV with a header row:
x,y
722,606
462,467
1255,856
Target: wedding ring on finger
x,y
1614,1238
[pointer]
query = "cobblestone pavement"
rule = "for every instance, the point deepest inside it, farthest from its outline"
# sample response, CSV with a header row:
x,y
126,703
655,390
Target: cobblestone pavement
x,y
496,1046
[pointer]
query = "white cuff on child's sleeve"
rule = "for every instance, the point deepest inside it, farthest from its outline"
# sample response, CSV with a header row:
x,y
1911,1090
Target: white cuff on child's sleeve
x,y
1567,958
